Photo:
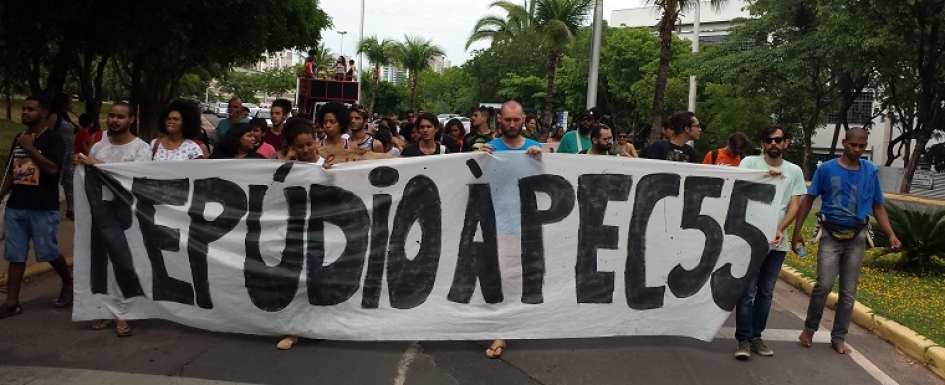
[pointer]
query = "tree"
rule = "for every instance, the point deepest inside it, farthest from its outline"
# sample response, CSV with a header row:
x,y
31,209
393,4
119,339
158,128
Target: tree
x,y
517,22
415,54
243,85
380,53
671,10
556,22
278,81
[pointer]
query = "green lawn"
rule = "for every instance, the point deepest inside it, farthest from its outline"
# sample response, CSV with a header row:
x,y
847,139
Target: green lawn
x,y
916,302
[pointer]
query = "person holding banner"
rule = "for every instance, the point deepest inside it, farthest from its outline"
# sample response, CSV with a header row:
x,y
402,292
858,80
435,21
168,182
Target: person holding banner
x,y
849,190
511,117
238,143
32,180
479,132
428,126
119,146
601,141
751,313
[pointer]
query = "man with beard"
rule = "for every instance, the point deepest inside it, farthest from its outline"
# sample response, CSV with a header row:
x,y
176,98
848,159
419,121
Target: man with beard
x,y
677,149
32,180
602,140
579,140
479,133
278,113
357,131
751,314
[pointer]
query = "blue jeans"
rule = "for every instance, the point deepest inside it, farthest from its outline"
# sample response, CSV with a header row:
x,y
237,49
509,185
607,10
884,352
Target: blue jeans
x,y
751,314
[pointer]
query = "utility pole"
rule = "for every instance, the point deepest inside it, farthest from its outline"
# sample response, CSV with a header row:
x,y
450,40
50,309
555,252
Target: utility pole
x,y
593,71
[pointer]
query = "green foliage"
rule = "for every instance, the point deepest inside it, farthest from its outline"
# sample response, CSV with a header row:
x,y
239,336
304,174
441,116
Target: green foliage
x,y
192,85
513,57
922,233
415,54
724,112
446,92
278,81
390,97
529,90
936,156
242,85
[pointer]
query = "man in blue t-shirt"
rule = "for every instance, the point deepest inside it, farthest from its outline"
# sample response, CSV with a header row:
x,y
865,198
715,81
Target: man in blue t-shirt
x,y
511,118
849,189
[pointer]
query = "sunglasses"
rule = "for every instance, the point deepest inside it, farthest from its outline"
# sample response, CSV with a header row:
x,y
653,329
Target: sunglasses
x,y
777,140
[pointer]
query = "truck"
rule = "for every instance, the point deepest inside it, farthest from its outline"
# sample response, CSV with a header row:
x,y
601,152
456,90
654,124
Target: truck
x,y
314,91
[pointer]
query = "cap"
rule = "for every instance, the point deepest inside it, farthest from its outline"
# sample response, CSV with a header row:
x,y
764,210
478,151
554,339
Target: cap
x,y
584,113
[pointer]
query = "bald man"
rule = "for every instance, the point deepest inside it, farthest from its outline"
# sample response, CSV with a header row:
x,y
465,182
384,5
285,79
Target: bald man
x,y
511,118
235,110
849,189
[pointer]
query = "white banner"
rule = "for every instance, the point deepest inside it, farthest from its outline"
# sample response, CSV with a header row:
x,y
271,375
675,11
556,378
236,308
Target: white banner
x,y
463,246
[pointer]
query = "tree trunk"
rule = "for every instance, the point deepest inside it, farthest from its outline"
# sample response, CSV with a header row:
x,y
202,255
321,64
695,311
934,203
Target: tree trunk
x,y
377,70
548,111
920,141
665,27
413,88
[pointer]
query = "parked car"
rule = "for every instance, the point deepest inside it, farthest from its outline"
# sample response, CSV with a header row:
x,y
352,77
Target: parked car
x,y
253,108
265,113
209,108
222,111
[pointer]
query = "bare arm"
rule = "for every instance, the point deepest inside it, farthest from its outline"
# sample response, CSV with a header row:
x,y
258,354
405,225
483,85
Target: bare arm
x,y
883,219
45,165
802,212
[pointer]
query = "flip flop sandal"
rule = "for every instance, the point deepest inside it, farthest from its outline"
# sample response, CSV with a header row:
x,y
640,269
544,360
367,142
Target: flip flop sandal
x,y
102,324
496,352
9,311
123,331
65,298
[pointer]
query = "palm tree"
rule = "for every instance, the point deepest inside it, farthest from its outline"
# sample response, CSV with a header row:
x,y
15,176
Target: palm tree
x,y
323,57
381,54
415,54
556,22
671,10
518,21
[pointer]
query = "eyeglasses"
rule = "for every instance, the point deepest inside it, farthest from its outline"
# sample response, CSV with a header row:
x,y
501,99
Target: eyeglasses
x,y
777,140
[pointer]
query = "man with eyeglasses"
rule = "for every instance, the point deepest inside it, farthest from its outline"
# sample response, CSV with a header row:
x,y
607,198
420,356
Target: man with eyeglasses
x,y
602,139
236,115
751,313
677,149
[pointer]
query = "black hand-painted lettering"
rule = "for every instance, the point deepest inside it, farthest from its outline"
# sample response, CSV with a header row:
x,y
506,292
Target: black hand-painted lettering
x,y
203,232
651,189
410,282
726,289
110,219
474,168
335,283
383,176
157,238
594,191
378,253
273,288
533,242
478,260
686,283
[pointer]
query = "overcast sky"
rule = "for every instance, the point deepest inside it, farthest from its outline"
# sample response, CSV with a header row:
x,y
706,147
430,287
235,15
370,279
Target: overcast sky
x,y
447,22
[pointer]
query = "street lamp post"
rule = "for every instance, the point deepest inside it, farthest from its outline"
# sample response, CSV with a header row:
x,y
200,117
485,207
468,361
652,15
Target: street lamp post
x,y
341,50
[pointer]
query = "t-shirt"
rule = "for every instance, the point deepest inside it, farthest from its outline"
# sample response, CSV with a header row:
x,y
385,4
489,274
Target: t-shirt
x,y
188,150
498,145
721,158
571,145
266,150
34,189
81,137
473,141
275,140
413,149
134,151
223,127
848,196
793,186
666,150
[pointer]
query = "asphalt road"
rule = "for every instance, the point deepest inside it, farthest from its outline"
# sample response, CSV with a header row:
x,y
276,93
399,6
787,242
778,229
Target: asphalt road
x,y
42,346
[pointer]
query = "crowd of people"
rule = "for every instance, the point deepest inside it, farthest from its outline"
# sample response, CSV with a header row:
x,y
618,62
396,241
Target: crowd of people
x,y
41,158
341,70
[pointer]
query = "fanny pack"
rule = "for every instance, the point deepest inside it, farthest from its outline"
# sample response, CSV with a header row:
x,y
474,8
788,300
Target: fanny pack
x,y
842,232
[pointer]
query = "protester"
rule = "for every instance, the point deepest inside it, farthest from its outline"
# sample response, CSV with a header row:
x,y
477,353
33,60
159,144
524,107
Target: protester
x,y
334,118
557,132
246,113
339,68
349,75
239,143
510,118
623,147
384,136
278,114
84,134
849,190
602,139
751,314
479,133
410,133
60,121
309,67
180,125
454,127
677,149
576,141
119,146
32,214
731,154
358,134
530,131
235,110
258,127
427,126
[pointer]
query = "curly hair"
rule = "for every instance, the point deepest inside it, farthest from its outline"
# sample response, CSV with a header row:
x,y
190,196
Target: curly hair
x,y
190,117
341,112
295,127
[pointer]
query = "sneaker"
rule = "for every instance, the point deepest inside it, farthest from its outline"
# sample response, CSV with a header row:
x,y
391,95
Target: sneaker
x,y
758,346
743,352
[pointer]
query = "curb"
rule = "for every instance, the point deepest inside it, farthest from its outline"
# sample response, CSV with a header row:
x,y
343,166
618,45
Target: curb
x,y
904,339
914,199
37,269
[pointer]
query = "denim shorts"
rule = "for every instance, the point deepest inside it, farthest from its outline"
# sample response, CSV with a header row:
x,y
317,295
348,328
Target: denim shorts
x,y
22,225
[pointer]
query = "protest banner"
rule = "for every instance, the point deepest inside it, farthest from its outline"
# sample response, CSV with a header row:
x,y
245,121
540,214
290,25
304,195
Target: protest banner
x,y
463,246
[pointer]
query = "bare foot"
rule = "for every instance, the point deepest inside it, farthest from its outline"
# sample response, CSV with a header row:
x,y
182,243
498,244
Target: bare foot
x,y
841,348
806,338
287,342
496,349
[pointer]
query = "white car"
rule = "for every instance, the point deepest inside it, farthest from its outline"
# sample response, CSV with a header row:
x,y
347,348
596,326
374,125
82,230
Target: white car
x,y
222,111
265,113
253,108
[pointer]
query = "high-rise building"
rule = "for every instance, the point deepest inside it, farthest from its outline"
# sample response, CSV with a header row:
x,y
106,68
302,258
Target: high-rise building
x,y
713,25
281,59
440,63
393,74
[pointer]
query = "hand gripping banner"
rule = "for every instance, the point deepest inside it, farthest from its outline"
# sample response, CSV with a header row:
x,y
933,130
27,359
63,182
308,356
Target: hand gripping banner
x,y
464,246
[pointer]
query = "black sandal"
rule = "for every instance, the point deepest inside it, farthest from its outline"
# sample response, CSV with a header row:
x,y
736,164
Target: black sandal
x,y
65,298
9,311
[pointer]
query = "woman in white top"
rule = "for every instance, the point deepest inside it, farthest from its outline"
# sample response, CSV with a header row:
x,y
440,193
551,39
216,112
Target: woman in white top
x,y
180,124
340,68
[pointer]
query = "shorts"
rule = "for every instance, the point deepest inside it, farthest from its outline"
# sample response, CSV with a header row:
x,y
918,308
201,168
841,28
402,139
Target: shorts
x,y
22,225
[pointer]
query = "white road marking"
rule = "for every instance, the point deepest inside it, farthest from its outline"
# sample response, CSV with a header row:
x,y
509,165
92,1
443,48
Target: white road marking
x,y
409,355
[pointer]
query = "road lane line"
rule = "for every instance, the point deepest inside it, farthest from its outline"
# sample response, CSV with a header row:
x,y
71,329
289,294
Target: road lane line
x,y
409,355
